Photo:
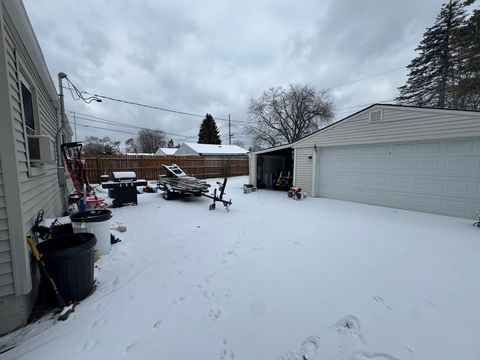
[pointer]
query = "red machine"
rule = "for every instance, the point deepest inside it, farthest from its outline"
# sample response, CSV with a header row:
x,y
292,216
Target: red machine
x,y
72,154
295,192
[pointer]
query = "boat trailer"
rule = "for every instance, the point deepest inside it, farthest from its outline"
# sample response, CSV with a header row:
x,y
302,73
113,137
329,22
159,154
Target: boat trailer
x,y
177,184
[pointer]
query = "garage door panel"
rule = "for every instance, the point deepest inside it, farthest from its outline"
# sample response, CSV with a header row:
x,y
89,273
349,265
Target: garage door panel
x,y
477,209
460,165
425,203
434,176
457,186
401,182
428,166
400,200
379,164
379,149
429,148
402,165
465,147
454,206
378,180
425,185
402,149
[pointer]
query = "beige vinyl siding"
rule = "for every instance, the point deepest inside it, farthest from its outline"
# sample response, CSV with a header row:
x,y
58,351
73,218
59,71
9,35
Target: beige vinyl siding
x,y
39,191
398,124
304,169
6,273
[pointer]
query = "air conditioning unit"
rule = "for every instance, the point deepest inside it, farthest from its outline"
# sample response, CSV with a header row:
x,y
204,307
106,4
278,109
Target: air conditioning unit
x,y
41,149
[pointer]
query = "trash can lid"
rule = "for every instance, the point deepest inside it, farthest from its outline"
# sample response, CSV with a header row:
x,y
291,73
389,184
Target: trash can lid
x,y
91,216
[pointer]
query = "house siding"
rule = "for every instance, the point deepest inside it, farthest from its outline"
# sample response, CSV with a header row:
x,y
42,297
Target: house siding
x,y
6,272
252,169
24,188
304,169
38,191
397,125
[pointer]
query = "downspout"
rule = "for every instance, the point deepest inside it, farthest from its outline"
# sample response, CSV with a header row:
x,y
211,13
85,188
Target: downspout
x,y
62,179
61,121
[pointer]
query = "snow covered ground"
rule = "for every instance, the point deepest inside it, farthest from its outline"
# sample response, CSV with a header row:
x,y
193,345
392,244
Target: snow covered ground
x,y
274,278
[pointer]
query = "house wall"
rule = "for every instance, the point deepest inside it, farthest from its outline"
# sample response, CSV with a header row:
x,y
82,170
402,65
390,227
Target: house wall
x,y
24,188
398,124
6,273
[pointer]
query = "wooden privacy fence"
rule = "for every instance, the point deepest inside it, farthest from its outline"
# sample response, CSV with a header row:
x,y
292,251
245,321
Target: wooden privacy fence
x,y
149,167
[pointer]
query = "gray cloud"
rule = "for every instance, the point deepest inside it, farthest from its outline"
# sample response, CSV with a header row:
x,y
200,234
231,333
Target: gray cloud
x,y
214,56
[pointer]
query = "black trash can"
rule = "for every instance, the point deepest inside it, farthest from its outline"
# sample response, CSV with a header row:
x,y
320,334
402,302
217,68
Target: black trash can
x,y
69,261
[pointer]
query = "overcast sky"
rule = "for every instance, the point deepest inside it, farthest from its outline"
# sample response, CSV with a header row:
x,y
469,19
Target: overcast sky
x,y
214,56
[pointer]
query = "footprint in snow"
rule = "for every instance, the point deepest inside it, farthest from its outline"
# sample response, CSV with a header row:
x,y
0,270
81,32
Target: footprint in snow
x,y
130,347
89,345
381,301
365,355
157,324
309,348
99,322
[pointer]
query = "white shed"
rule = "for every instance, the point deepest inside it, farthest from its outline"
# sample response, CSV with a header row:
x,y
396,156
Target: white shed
x,y
405,157
193,149
166,151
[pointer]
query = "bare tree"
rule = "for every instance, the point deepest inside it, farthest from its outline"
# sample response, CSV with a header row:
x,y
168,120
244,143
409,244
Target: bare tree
x,y
131,146
239,143
286,115
96,146
148,141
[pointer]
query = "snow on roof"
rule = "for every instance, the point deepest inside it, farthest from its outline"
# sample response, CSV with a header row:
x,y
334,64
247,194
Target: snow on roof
x,y
167,151
216,149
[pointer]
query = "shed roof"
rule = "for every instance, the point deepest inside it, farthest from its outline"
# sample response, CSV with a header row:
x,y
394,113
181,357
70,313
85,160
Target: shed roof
x,y
166,151
211,149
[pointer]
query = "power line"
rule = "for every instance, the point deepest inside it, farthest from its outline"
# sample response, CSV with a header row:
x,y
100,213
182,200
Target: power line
x,y
120,124
97,97
366,78
122,131
156,107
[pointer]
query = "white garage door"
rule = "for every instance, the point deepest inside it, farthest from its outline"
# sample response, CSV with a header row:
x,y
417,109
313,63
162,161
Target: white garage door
x,y
441,177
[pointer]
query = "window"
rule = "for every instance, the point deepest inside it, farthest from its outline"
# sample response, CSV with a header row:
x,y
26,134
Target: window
x,y
27,101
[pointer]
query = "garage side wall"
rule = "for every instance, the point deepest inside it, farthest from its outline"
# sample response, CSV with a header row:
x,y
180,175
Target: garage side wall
x,y
252,169
304,169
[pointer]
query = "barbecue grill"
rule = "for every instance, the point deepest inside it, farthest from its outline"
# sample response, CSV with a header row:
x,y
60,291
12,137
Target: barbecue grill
x,y
123,187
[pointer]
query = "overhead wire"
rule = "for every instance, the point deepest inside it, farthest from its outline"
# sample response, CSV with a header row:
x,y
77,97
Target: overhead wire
x,y
97,97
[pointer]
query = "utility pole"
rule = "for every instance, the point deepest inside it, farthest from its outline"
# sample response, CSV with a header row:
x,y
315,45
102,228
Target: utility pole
x,y
229,131
75,126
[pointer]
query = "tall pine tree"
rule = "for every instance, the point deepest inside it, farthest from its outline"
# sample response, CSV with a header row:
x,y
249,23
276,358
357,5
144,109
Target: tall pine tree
x,y
208,133
468,88
434,73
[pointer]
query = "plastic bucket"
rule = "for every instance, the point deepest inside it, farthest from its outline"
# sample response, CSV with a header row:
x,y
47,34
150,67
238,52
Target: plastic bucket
x,y
95,222
69,261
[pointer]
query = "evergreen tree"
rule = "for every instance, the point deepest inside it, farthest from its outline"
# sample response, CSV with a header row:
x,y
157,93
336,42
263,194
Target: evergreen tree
x,y
434,73
468,88
170,144
208,133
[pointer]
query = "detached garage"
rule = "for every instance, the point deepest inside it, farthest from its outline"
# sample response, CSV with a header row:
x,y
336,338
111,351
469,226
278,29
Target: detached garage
x,y
397,156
